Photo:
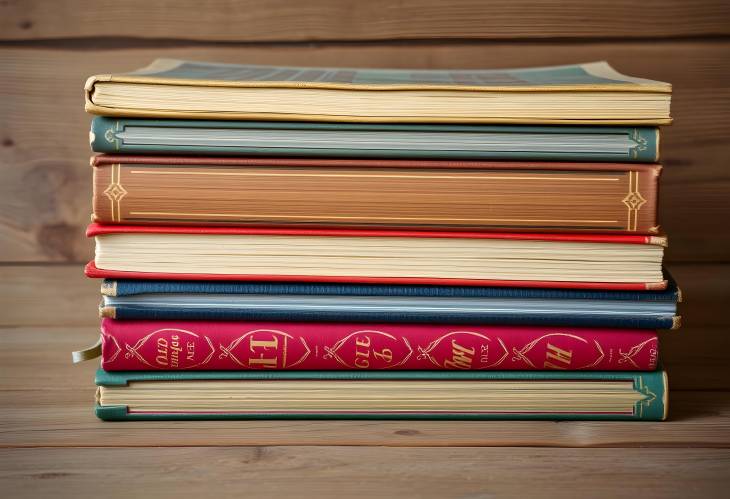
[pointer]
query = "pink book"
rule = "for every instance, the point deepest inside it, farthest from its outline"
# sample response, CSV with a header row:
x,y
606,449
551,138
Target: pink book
x,y
201,345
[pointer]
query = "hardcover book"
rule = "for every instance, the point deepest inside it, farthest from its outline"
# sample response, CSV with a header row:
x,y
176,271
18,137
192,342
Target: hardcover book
x,y
131,287
190,300
362,193
379,257
193,345
459,395
591,93
373,140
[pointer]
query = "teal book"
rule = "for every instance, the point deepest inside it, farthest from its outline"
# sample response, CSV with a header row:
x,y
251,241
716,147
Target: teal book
x,y
439,395
361,140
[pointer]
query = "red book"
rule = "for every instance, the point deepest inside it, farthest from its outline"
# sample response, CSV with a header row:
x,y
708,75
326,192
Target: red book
x,y
189,345
591,261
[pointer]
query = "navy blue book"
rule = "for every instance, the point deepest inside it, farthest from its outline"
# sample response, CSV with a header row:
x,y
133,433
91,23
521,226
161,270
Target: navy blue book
x,y
270,301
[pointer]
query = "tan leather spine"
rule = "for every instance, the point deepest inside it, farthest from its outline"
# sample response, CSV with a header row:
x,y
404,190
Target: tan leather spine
x,y
382,194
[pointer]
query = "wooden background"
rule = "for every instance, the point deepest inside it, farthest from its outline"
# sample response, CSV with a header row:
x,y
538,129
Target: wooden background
x,y
48,48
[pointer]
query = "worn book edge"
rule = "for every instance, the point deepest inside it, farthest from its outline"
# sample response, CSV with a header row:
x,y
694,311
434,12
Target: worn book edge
x,y
602,69
140,76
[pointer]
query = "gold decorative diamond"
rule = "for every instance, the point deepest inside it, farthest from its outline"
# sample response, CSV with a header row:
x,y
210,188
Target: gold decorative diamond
x,y
115,192
634,200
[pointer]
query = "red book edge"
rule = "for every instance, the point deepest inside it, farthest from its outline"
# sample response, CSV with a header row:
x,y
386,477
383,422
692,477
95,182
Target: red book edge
x,y
93,271
96,229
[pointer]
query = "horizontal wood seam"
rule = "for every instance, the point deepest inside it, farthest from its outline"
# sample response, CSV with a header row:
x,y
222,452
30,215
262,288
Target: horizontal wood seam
x,y
113,42
617,445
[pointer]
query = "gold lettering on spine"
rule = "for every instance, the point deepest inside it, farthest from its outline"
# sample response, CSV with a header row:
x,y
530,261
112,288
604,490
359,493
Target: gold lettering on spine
x,y
633,352
252,349
168,353
521,354
362,352
363,343
461,357
562,357
633,201
386,355
161,358
428,352
115,192
163,347
175,350
260,360
266,363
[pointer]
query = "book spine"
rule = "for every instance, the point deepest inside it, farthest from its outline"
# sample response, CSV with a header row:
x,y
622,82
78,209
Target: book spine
x,y
646,144
103,135
106,137
127,287
180,345
651,390
131,312
596,200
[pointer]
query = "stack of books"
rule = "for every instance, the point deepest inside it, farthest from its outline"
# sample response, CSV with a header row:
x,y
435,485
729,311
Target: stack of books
x,y
288,242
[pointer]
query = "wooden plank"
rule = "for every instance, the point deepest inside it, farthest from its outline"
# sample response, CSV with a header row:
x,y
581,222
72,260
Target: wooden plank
x,y
321,20
48,295
45,188
364,472
696,358
705,291
40,358
64,418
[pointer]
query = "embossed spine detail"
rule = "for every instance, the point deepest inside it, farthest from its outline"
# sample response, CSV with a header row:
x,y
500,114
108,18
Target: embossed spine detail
x,y
174,345
641,144
111,134
115,192
633,201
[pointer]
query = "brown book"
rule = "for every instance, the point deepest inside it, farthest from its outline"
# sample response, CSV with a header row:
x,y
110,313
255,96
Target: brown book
x,y
362,193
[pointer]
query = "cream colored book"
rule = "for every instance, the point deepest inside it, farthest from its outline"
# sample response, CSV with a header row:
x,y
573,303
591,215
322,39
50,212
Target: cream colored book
x,y
592,93
394,257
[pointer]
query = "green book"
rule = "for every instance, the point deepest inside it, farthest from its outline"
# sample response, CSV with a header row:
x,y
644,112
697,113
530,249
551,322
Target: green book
x,y
460,395
281,138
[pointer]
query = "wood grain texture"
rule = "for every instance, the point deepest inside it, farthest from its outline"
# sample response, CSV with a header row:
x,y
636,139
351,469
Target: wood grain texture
x,y
49,295
45,193
335,472
322,20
